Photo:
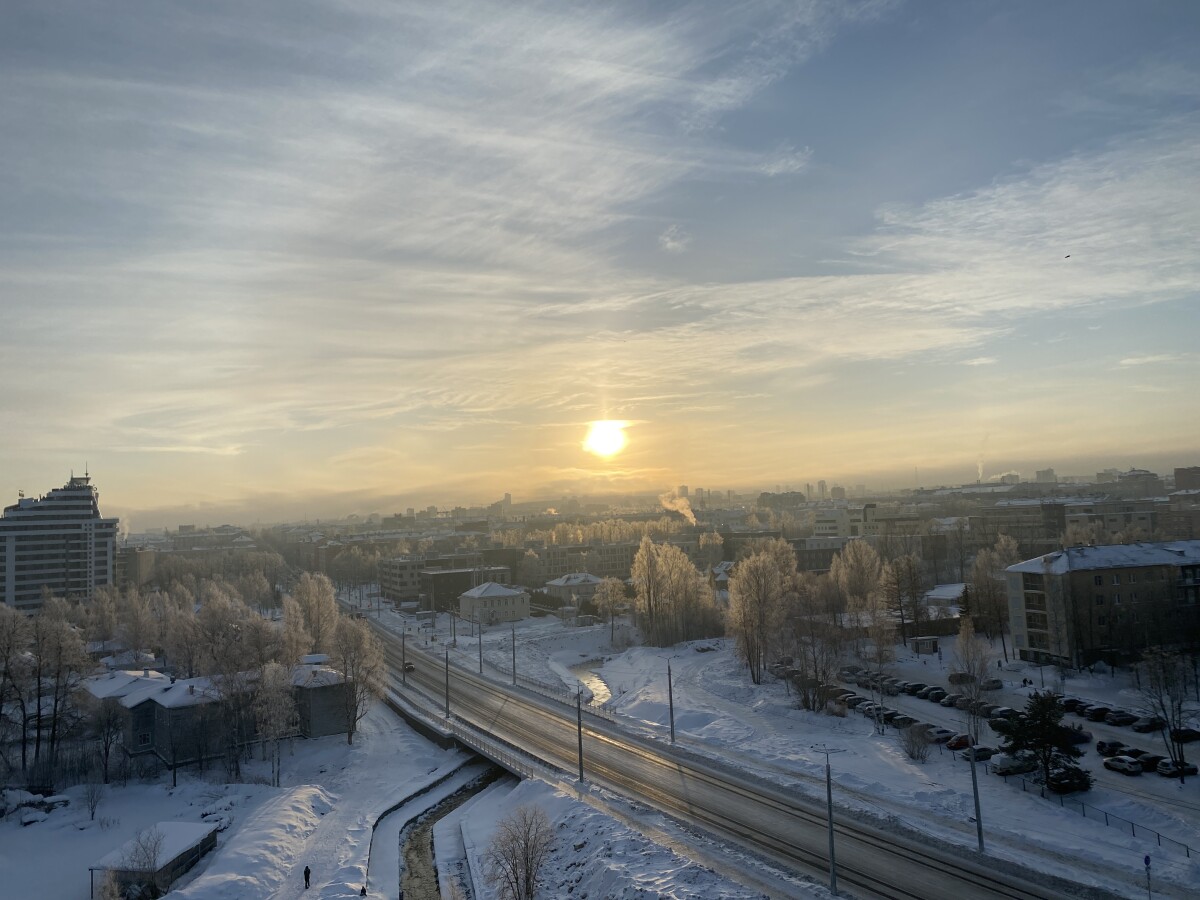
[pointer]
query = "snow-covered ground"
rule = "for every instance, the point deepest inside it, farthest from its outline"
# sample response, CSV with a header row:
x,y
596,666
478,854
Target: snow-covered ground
x,y
333,794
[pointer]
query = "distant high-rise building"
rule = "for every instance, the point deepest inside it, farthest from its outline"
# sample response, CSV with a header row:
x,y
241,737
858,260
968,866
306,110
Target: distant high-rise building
x,y
1010,478
508,501
1046,476
808,490
837,492
1187,479
683,491
59,542
821,488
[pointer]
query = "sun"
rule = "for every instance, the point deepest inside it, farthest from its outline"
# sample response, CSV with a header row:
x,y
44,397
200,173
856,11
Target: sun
x,y
605,437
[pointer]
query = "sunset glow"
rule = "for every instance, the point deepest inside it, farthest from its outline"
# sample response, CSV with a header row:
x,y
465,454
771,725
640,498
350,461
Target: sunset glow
x,y
605,437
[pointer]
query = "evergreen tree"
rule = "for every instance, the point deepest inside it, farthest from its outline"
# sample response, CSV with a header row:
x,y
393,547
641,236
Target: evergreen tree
x,y
1040,732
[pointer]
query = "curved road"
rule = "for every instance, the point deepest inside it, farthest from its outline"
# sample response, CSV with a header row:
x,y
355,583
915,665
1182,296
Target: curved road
x,y
761,817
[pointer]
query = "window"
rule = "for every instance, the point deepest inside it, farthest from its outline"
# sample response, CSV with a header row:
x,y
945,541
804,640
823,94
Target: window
x,y
144,739
1116,599
1133,577
1116,579
1133,596
1099,599
1100,620
1099,580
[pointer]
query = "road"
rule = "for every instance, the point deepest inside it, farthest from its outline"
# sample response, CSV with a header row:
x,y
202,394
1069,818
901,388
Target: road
x,y
758,816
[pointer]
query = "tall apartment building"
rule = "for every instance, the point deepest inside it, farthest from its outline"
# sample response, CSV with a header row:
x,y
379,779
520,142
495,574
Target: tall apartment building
x,y
59,542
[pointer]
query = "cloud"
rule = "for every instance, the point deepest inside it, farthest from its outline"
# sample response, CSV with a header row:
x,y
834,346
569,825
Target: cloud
x,y
980,361
674,240
1153,359
786,161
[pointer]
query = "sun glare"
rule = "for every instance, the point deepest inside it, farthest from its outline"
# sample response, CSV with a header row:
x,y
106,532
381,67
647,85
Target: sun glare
x,y
605,437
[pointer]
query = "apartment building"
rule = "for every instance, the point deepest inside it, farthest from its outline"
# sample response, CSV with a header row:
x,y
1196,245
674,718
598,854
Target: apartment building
x,y
1084,604
59,542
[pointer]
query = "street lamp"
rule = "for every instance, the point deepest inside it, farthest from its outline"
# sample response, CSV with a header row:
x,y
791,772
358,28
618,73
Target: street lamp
x,y
821,748
447,684
579,725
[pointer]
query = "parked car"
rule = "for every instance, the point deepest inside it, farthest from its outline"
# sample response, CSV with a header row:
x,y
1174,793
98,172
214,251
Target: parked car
x,y
889,715
959,742
1126,765
950,700
854,700
963,703
1004,712
867,708
979,753
890,688
923,693
1081,708
1184,735
1069,703
914,687
1147,724
1077,735
902,721
939,735
1017,764
1110,748
849,670
1134,752
991,684
1169,769
1068,780
961,678
1149,761
937,695
1097,713
1120,718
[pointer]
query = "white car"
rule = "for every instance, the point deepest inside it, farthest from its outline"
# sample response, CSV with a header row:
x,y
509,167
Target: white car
x,y
1126,765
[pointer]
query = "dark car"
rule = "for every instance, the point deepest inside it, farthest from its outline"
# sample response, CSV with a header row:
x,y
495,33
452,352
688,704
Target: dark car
x,y
854,700
1069,703
1081,708
1077,735
1147,724
991,684
1069,780
1184,735
979,753
1150,761
409,667
939,735
1120,718
1169,769
959,742
902,721
923,693
1097,713
937,695
1018,764
889,715
1110,748
950,699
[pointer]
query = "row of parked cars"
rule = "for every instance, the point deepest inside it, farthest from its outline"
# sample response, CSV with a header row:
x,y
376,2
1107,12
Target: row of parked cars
x,y
931,692
1099,712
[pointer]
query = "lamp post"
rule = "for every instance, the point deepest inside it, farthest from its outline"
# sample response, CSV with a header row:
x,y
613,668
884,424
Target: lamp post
x,y
403,658
975,791
514,651
821,748
447,684
480,630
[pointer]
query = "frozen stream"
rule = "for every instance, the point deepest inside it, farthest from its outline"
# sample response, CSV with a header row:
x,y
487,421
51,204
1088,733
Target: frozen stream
x,y
586,673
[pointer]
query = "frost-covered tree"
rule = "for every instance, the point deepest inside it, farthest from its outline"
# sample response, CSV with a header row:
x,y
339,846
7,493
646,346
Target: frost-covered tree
x,y
275,710
359,656
317,600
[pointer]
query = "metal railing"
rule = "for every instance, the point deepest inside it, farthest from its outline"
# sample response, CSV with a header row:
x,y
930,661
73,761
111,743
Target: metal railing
x,y
1112,820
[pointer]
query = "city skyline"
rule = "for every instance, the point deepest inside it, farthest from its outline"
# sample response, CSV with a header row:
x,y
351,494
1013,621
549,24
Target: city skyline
x,y
373,253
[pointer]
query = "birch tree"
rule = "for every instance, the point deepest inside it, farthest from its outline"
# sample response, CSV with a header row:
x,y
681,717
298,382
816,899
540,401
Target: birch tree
x,y
755,610
359,656
317,600
275,710
518,852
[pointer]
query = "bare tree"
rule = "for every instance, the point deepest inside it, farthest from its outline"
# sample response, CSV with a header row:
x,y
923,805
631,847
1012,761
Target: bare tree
x,y
914,741
15,674
1163,675
756,609
816,639
317,600
518,851
856,571
93,793
610,597
143,856
296,640
109,888
358,655
275,710
971,659
674,602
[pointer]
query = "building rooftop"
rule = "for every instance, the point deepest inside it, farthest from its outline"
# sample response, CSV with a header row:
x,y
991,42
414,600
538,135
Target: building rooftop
x,y
491,589
1113,556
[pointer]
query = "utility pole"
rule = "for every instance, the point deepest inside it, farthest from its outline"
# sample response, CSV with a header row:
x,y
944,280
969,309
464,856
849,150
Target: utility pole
x,y
514,649
975,791
671,701
579,726
403,657
447,684
480,649
821,748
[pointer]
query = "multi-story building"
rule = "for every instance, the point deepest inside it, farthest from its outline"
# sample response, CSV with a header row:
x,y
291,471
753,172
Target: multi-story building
x,y
574,588
59,543
1084,604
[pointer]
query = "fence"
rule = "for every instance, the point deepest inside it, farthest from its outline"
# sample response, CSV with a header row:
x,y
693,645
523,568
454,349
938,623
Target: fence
x,y
1112,820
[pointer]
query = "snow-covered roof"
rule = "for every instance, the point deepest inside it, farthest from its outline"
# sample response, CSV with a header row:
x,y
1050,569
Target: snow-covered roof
x,y
179,693
1113,556
574,579
316,676
178,838
490,589
118,684
945,593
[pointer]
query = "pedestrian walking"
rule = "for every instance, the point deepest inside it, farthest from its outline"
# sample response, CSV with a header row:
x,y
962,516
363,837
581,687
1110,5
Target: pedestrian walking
x,y
307,875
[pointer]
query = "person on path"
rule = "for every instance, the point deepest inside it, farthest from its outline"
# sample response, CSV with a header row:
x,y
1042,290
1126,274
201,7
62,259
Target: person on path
x,y
307,875
363,892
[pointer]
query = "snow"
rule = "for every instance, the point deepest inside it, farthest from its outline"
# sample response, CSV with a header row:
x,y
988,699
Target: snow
x,y
177,838
341,808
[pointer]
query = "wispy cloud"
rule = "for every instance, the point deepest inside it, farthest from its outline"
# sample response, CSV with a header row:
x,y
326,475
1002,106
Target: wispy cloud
x,y
1153,359
674,239
980,361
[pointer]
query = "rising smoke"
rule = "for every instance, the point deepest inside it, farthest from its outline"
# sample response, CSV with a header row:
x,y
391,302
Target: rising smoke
x,y
672,501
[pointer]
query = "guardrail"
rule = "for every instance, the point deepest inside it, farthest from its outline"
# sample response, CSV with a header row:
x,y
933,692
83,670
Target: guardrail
x,y
1112,820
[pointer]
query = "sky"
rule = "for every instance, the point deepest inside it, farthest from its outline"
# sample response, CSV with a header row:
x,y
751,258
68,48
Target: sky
x,y
289,258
